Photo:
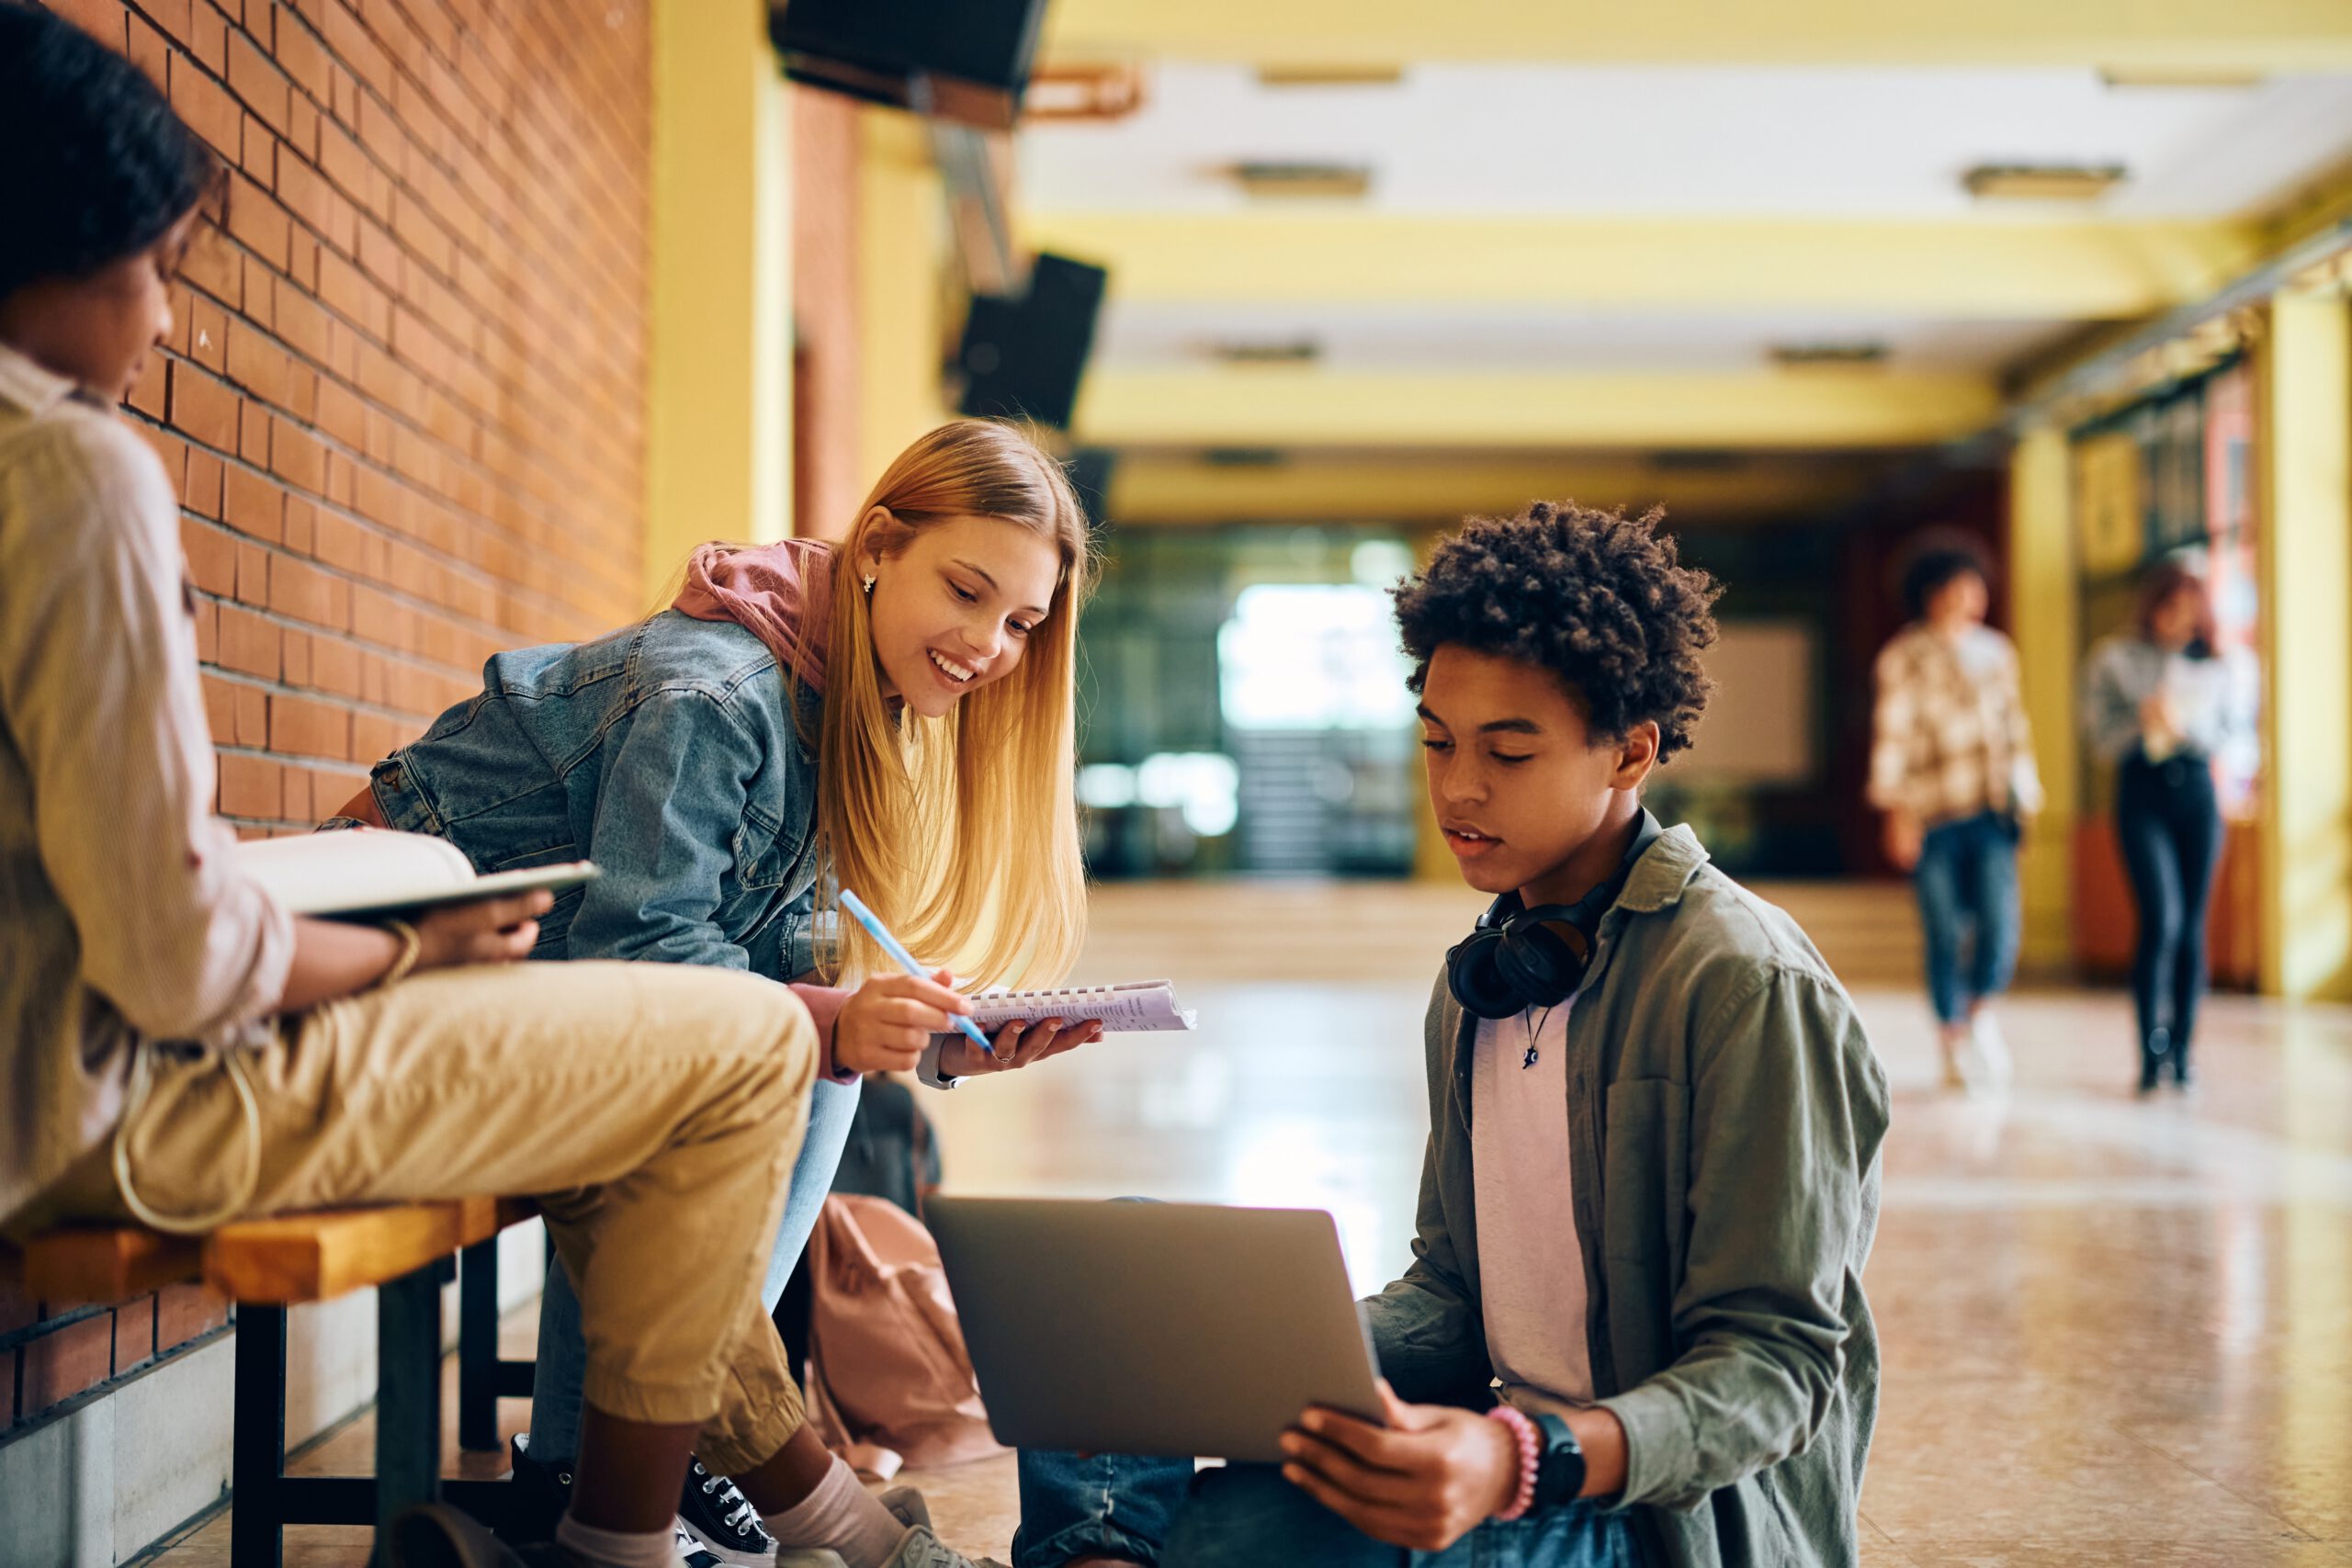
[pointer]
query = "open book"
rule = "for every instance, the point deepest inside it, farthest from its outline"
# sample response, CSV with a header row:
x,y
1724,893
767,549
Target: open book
x,y
1136,1005
374,873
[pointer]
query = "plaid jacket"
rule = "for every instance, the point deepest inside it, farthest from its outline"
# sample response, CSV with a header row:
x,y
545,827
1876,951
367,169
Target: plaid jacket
x,y
1950,738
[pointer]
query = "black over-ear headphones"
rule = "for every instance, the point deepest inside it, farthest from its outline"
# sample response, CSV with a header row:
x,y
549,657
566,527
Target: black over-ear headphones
x,y
1519,958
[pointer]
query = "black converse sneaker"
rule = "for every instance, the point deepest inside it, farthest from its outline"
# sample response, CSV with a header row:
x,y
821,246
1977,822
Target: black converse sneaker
x,y
536,1496
722,1521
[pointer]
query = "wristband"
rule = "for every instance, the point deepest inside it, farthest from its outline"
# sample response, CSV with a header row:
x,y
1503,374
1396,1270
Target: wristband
x,y
411,949
1522,1431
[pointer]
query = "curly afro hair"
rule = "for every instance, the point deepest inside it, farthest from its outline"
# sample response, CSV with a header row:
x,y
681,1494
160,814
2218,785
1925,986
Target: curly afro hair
x,y
97,165
1597,598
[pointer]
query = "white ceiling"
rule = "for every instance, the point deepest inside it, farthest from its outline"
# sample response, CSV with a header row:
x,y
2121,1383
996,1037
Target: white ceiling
x,y
1555,141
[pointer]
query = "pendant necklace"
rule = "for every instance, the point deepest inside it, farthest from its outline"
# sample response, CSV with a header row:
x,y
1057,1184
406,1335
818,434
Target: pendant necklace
x,y
1531,1035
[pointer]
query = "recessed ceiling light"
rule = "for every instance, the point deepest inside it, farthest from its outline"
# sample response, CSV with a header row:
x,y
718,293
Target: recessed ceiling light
x,y
2177,76
2041,182
1285,180
1866,350
1329,75
1264,351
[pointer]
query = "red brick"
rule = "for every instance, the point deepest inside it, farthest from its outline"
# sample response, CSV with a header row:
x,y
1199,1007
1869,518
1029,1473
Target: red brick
x,y
261,84
308,728
172,16
134,1334
251,724
298,458
206,107
200,492
296,802
213,264
249,643
208,37
253,434
301,525
253,505
59,1365
219,702
309,595
183,1311
152,53
203,409
304,58
252,572
258,153
102,19
148,393
248,786
336,666
256,364
207,333
302,127
349,43
258,221
212,557
374,738
17,1310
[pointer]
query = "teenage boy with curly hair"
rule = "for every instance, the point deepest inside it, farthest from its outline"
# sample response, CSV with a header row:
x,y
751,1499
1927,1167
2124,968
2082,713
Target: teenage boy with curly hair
x,y
1634,1329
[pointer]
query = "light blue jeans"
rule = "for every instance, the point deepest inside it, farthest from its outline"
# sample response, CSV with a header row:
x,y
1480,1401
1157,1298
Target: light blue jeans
x,y
563,1357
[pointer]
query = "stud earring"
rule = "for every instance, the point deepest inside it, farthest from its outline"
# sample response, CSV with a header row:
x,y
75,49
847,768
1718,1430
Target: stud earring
x,y
869,582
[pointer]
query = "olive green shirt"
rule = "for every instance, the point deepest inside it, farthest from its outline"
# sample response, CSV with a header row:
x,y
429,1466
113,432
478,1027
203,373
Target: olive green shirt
x,y
1726,1112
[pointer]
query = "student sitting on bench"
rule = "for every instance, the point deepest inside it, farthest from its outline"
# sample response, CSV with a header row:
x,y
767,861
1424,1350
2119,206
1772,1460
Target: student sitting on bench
x,y
175,1047
1652,1176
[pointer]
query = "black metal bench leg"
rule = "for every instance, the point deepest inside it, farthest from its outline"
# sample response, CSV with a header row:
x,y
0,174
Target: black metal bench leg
x,y
477,1347
257,1442
408,1395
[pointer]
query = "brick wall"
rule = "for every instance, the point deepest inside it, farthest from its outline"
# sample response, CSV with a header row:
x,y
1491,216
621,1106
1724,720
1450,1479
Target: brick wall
x,y
404,405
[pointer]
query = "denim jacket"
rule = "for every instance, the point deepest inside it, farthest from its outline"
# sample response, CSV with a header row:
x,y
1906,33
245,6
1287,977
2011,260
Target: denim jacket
x,y
664,751
1726,1112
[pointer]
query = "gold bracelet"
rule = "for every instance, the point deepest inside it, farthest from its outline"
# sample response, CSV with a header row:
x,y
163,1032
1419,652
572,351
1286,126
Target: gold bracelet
x,y
411,949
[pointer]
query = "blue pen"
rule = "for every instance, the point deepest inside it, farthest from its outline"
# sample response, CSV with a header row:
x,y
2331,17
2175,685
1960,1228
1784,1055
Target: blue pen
x,y
881,933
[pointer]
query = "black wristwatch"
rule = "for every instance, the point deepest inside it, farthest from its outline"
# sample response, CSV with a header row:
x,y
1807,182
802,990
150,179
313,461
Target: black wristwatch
x,y
1559,1471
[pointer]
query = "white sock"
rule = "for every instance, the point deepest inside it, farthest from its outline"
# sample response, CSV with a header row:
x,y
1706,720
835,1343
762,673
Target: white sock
x,y
844,1516
617,1549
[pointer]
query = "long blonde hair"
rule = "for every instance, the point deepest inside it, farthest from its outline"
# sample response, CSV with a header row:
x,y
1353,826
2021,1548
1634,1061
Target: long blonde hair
x,y
961,832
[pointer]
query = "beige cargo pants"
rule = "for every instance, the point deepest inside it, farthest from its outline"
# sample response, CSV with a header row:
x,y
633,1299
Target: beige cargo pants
x,y
653,1110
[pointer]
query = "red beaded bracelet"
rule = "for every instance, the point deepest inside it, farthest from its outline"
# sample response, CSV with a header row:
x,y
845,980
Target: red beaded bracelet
x,y
1530,1447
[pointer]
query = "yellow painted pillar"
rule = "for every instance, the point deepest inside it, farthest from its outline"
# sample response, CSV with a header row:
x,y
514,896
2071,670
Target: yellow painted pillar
x,y
2043,613
2305,425
719,385
903,261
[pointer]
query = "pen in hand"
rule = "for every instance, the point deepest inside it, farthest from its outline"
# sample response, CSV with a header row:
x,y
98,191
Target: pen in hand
x,y
889,944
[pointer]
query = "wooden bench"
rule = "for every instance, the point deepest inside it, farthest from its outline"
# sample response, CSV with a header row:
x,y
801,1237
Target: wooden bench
x,y
405,1252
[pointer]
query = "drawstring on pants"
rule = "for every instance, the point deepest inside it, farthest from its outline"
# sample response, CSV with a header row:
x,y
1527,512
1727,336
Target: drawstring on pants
x,y
135,1100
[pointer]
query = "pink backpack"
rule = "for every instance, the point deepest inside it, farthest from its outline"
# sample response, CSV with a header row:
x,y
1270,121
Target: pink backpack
x,y
889,1382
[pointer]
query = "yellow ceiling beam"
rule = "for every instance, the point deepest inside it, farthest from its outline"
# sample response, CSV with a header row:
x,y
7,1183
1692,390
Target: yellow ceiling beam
x,y
2017,269
1165,487
2199,35
1812,408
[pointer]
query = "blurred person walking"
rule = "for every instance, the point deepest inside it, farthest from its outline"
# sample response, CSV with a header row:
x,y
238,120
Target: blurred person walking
x,y
2164,703
1951,767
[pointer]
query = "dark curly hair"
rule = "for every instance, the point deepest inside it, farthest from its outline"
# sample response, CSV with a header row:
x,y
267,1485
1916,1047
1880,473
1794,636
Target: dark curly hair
x,y
1937,557
1599,599
97,167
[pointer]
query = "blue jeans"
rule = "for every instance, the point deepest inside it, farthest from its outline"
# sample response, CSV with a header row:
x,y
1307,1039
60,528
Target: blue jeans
x,y
1967,882
563,1357
1157,1510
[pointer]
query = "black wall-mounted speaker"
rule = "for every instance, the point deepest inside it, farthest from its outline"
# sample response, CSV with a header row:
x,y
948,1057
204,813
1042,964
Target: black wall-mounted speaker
x,y
961,60
1022,359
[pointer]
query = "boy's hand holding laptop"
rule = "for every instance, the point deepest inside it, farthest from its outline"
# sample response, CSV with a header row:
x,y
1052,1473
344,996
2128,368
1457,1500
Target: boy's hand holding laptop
x,y
1422,1480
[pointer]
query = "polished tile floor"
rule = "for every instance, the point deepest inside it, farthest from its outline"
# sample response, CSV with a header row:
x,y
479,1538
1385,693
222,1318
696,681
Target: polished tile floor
x,y
2116,1331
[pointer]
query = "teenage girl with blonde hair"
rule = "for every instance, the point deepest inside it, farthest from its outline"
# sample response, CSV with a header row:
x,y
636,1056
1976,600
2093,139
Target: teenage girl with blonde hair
x,y
893,715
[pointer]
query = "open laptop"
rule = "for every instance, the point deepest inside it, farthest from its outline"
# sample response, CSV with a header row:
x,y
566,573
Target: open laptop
x,y
1182,1329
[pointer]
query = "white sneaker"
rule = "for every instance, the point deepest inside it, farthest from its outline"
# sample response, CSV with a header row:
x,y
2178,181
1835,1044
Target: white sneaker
x,y
923,1548
1986,1060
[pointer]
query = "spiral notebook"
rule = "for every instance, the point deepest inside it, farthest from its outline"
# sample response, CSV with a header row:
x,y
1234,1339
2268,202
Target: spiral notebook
x,y
1136,1005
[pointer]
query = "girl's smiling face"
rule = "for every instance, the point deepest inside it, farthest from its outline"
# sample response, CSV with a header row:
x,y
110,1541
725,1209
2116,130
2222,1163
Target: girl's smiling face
x,y
98,329
953,608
